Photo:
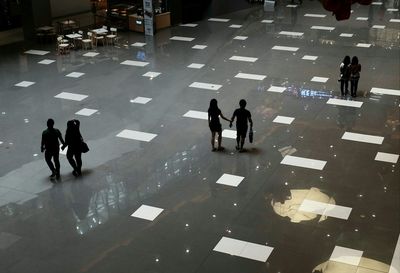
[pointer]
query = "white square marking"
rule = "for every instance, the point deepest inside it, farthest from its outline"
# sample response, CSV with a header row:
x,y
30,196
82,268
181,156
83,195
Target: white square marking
x,y
309,57
395,264
285,48
1,142
362,18
267,21
291,6
37,52
336,211
147,212
75,74
349,103
347,35
230,246
377,3
71,96
24,84
241,38
385,91
363,45
314,15
319,79
86,112
277,89
90,54
385,157
323,28
196,114
141,100
346,255
151,74
199,46
230,180
303,162
378,26
235,26
291,33
134,63
196,66
283,120
313,206
222,20
180,38
394,20
250,76
229,133
138,44
363,138
392,10
188,25
243,59
46,61
136,135
208,86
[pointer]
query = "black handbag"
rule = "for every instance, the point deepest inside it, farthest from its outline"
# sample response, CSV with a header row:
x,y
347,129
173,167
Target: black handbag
x,y
84,147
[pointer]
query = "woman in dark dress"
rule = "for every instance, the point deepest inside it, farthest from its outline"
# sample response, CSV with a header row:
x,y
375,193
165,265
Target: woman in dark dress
x,y
344,75
215,126
355,69
73,139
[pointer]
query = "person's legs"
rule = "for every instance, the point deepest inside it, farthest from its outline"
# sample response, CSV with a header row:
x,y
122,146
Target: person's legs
x,y
352,87
70,157
355,87
346,87
78,158
56,159
47,157
219,140
213,140
342,87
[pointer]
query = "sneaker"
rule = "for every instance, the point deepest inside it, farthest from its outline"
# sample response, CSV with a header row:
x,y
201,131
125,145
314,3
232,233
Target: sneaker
x,y
57,175
237,148
53,175
74,173
213,149
221,148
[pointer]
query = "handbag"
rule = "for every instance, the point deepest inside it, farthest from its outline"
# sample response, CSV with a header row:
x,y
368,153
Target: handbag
x,y
251,135
84,147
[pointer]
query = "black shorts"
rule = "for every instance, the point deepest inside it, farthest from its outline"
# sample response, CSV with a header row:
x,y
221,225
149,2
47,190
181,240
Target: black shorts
x,y
215,127
241,132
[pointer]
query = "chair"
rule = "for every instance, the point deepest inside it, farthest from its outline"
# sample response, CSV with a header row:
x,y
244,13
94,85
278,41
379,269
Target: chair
x,y
97,38
62,47
111,38
87,42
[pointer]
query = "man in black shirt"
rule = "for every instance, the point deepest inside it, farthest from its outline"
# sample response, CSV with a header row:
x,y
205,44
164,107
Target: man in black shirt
x,y
243,116
50,147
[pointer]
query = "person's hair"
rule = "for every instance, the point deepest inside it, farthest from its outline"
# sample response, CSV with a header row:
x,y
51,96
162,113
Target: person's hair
x,y
213,105
72,127
242,103
50,123
346,60
354,60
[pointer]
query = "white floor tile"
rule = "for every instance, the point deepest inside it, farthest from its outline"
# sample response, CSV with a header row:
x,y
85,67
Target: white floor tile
x,y
385,157
336,211
134,63
346,255
362,18
349,103
136,135
291,6
250,76
235,26
37,52
385,91
395,265
283,120
141,100
363,138
363,45
230,180
147,212
86,112
151,74
303,162
377,3
241,38
243,59
181,38
285,48
393,10
309,57
267,21
315,15
75,74
276,89
313,206
196,114
196,66
379,26
203,85
319,79
394,20
90,54
71,96
347,35
46,61
188,25
222,20
199,47
230,246
24,84
1,142
138,44
323,28
229,133
291,33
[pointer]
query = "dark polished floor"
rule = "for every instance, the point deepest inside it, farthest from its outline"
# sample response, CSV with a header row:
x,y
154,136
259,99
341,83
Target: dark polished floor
x,y
317,190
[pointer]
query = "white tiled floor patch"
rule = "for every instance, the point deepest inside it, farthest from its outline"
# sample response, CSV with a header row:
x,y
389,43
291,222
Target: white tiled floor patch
x,y
138,44
136,135
394,20
37,52
395,264
250,76
291,33
362,18
196,114
243,59
314,15
75,74
243,249
196,66
377,3
323,28
86,112
90,54
203,85
276,89
309,57
325,209
385,157
134,63
363,138
378,26
349,103
181,38
319,79
267,21
141,100
363,45
392,10
230,180
71,96
151,74
24,84
46,61
285,48
385,91
346,255
199,47
347,35
291,6
147,212
241,38
235,26
188,25
283,120
222,20
229,133
303,162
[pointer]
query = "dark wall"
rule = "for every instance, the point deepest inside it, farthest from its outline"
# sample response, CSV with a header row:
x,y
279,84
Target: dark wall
x,y
35,13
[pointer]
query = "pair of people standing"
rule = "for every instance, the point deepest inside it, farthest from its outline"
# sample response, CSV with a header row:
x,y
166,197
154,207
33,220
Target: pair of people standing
x,y
50,146
243,117
349,70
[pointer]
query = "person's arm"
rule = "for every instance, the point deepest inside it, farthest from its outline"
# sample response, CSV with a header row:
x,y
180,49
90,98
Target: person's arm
x,y
64,143
359,68
232,119
42,144
209,118
250,120
222,116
